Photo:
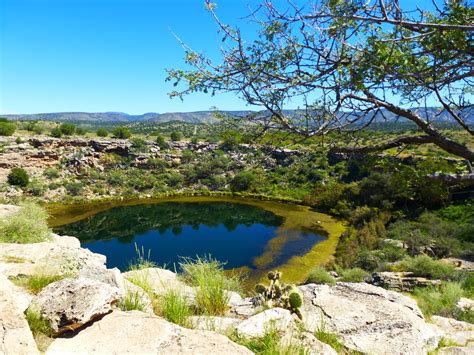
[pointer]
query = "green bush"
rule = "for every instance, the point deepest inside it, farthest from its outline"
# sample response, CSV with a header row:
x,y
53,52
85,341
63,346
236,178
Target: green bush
x,y
74,188
67,129
51,173
102,132
208,276
354,275
18,177
7,128
319,275
121,133
176,136
439,300
424,266
80,131
37,188
29,225
243,181
56,132
160,140
139,145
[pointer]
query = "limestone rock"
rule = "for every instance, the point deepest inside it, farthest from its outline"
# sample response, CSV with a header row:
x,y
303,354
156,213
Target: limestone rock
x,y
465,303
15,334
368,319
400,281
311,344
459,332
8,210
278,318
244,308
216,324
160,280
69,304
457,350
143,334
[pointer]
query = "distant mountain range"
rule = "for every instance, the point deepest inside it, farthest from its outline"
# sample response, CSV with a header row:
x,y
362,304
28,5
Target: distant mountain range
x,y
191,117
207,116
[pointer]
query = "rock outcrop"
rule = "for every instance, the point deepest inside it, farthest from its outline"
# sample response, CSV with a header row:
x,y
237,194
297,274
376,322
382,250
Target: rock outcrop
x,y
71,303
368,319
401,281
139,333
15,334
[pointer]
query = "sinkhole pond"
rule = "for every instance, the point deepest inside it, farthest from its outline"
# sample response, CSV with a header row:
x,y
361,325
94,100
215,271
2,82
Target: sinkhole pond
x,y
247,235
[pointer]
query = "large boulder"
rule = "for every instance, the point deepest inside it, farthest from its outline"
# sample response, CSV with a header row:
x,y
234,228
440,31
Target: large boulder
x,y
277,319
143,334
69,304
15,334
460,333
368,319
158,281
401,281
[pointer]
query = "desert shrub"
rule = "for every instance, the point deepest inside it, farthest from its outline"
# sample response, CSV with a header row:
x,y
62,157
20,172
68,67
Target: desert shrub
x,y
160,140
56,132
176,136
187,156
243,181
51,173
81,131
230,140
353,275
424,266
18,140
319,275
174,179
29,225
468,285
67,129
440,300
18,177
74,188
121,132
208,276
7,128
102,132
139,145
37,188
173,306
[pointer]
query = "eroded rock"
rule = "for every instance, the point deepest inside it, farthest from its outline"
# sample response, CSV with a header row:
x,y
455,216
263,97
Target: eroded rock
x,y
15,334
368,319
69,304
277,319
143,334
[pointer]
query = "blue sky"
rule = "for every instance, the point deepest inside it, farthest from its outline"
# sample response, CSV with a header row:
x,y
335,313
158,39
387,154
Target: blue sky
x,y
105,55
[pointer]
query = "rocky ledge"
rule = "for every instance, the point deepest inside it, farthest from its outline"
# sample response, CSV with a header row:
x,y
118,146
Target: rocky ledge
x,y
83,313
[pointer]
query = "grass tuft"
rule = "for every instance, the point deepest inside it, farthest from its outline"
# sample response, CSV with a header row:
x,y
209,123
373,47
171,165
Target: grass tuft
x,y
319,275
29,225
173,306
40,328
132,302
208,276
329,338
35,283
142,260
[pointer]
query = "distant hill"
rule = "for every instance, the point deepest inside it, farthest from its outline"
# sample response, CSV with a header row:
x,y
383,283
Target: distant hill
x,y
209,116
191,117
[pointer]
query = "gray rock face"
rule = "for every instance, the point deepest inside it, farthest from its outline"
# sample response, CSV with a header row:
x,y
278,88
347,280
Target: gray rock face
x,y
368,319
69,304
401,281
15,334
278,318
461,333
143,334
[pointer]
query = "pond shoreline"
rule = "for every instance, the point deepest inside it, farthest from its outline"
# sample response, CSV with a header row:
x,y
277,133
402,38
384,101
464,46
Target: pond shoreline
x,y
295,216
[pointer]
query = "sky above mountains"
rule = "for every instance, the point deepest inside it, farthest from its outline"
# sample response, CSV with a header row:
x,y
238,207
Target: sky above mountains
x,y
107,55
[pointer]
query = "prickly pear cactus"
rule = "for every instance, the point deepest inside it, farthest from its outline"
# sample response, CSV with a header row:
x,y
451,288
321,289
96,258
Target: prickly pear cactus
x,y
280,295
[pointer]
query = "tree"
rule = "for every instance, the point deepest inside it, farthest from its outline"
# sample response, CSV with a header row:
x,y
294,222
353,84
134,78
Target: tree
x,y
56,132
350,63
160,140
18,177
67,128
7,128
121,132
102,132
176,136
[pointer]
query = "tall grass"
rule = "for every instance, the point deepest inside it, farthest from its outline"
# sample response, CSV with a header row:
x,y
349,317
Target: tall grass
x,y
323,335
208,276
173,306
142,260
40,328
29,225
423,265
132,302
